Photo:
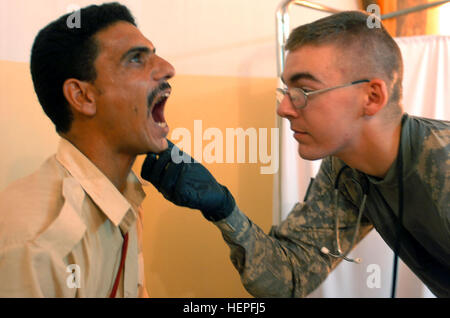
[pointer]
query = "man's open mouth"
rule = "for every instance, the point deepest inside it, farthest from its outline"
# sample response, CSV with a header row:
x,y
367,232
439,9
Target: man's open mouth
x,y
157,110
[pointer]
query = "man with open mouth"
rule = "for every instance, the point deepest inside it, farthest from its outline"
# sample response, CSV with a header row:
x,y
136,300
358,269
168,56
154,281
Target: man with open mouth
x,y
73,228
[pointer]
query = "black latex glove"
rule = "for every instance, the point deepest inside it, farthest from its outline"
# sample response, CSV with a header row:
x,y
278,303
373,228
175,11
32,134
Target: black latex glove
x,y
187,184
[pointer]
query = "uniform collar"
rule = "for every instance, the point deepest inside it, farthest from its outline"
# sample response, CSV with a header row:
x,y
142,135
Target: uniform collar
x,y
102,191
405,148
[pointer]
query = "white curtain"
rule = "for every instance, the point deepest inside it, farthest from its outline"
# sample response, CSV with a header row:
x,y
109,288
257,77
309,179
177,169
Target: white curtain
x,y
426,80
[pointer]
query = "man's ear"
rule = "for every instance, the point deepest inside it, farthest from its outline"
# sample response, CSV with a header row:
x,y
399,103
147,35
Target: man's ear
x,y
377,96
80,96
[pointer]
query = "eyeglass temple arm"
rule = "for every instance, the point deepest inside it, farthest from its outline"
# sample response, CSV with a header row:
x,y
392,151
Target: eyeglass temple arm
x,y
334,87
360,81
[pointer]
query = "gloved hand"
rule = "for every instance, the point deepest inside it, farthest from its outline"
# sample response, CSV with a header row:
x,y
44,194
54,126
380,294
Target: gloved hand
x,y
187,183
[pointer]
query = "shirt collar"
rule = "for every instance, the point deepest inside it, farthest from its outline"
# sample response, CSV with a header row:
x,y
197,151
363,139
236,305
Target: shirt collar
x,y
102,191
405,148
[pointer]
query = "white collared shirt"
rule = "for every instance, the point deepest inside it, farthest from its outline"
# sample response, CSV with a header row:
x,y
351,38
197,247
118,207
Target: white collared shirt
x,y
61,231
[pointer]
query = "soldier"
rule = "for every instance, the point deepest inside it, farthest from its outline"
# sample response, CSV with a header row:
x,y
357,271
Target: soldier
x,y
381,168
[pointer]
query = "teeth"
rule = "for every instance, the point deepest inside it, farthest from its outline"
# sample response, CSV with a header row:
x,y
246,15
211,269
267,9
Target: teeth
x,y
162,125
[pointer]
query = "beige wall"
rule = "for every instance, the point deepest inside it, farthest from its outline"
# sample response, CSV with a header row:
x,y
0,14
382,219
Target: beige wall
x,y
27,136
185,255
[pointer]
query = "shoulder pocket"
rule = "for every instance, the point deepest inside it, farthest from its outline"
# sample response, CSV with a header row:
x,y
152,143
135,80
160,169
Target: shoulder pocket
x,y
68,228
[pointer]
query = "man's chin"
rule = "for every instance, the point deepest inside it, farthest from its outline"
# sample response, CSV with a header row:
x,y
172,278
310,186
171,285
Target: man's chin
x,y
309,155
162,145
157,147
165,145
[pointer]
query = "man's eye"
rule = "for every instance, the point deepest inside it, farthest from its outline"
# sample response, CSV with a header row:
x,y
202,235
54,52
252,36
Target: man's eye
x,y
136,58
306,90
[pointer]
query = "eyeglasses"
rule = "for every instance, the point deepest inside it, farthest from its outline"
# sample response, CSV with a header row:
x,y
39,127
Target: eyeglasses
x,y
299,97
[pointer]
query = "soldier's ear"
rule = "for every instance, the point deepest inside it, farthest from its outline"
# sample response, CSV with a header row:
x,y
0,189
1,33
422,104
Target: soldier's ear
x,y
376,96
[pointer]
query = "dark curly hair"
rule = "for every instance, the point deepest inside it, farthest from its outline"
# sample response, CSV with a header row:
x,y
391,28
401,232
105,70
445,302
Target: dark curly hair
x,y
61,51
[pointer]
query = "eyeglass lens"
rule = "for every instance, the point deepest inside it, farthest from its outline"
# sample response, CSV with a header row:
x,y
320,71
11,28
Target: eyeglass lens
x,y
297,98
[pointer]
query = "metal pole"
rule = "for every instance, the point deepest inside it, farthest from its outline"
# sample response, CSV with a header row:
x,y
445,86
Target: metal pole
x,y
316,6
282,31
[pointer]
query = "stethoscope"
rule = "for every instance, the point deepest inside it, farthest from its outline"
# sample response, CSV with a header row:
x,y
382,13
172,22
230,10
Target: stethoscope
x,y
365,190
339,253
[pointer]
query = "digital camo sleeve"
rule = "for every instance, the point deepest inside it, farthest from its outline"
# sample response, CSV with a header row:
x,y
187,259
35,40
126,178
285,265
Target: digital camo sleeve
x,y
287,262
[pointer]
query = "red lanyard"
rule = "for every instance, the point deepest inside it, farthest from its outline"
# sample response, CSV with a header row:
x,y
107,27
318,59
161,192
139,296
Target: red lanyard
x,y
122,263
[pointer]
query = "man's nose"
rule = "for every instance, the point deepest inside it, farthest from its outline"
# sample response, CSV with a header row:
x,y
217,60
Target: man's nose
x,y
286,109
162,69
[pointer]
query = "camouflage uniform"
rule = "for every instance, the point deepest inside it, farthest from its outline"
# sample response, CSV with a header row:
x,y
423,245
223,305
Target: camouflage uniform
x,y
288,263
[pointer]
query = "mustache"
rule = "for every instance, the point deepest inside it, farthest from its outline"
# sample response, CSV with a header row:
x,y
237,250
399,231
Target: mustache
x,y
162,87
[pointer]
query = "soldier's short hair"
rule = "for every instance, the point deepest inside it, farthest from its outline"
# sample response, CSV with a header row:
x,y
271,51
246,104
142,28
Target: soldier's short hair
x,y
372,50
